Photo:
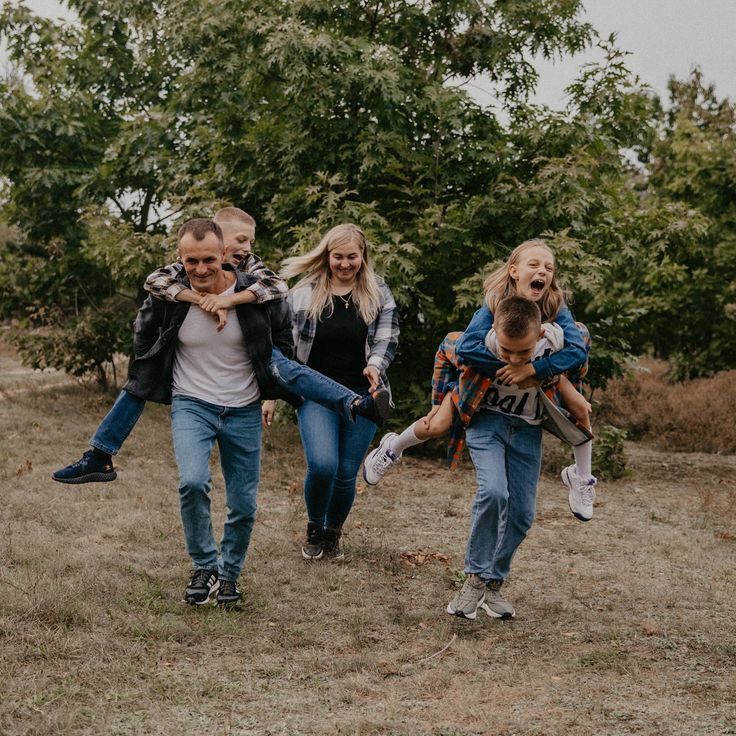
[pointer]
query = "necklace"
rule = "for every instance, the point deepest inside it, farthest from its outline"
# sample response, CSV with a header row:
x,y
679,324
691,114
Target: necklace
x,y
345,301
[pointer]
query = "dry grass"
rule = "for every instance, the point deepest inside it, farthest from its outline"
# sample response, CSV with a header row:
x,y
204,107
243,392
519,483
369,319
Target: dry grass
x,y
691,416
625,625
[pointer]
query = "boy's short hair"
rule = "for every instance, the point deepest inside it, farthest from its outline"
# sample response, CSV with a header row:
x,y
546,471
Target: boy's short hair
x,y
230,214
199,228
517,316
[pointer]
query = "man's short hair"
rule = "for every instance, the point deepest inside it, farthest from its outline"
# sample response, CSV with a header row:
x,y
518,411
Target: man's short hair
x,y
199,228
517,316
233,214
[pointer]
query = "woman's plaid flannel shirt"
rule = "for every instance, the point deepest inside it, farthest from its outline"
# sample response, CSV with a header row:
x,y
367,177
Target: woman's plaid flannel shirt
x,y
383,332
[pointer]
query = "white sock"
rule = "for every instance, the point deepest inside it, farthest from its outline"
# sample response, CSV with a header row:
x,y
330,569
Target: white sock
x,y
584,460
406,439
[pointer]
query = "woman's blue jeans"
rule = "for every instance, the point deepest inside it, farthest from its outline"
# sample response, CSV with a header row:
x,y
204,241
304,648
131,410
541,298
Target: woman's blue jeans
x,y
334,448
118,423
311,385
196,425
507,453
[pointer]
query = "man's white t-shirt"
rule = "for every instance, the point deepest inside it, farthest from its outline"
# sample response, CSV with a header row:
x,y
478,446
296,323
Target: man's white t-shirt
x,y
213,366
514,401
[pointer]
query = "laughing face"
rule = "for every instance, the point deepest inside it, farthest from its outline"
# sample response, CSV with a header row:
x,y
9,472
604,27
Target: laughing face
x,y
345,262
533,272
239,238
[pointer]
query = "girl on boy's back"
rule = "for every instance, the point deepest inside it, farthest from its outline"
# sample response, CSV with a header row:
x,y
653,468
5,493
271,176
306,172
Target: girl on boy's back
x,y
457,390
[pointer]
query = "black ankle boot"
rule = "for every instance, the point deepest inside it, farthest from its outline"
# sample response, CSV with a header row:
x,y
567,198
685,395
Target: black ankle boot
x,y
312,549
331,544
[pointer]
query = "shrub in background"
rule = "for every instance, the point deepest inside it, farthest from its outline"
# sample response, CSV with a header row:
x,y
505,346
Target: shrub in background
x,y
609,457
685,416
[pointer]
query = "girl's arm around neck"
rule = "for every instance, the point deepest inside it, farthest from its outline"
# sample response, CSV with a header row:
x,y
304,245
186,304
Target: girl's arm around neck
x,y
471,347
572,355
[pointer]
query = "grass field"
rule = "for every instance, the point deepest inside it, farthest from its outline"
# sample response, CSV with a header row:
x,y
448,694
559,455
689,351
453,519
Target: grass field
x,y
625,625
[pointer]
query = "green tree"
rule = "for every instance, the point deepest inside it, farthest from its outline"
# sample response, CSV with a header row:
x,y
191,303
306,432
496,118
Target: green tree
x,y
693,166
305,113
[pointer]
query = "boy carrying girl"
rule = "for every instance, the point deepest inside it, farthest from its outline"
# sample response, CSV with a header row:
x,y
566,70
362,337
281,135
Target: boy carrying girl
x,y
505,442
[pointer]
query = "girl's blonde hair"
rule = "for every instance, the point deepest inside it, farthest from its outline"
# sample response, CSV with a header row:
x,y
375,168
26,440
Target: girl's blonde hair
x,y
315,266
500,284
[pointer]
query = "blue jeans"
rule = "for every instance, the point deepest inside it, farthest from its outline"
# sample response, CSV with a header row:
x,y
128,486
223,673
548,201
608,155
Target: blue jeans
x,y
507,454
118,423
301,380
334,448
195,426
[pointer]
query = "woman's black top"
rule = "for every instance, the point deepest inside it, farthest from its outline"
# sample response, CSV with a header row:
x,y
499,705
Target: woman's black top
x,y
338,350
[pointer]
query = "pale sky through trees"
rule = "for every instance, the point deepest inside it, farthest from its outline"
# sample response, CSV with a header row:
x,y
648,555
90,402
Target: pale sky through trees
x,y
665,37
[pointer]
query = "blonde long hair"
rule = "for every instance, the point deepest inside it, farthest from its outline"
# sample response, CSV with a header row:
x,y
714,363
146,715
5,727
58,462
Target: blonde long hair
x,y
315,266
500,284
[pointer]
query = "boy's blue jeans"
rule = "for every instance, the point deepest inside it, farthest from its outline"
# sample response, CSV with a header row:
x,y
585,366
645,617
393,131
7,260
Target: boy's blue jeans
x,y
334,448
507,453
295,377
118,423
301,380
195,426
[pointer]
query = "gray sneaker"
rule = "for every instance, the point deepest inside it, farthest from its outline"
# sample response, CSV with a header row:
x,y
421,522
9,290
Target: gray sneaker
x,y
467,600
494,603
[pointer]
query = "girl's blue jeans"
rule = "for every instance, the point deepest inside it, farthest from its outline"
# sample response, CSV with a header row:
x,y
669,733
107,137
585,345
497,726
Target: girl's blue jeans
x,y
196,425
334,448
506,452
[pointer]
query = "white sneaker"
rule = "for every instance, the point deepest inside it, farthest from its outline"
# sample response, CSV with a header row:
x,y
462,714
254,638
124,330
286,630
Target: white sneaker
x,y
581,494
378,462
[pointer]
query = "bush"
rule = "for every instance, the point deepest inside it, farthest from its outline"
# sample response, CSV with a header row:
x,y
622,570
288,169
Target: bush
x,y
686,416
609,458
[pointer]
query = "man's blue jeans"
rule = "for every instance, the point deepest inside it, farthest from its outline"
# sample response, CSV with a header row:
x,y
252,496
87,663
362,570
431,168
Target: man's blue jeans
x,y
301,380
118,423
334,448
195,426
507,453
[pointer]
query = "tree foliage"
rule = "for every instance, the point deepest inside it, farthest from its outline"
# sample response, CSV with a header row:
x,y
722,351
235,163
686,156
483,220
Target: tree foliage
x,y
307,113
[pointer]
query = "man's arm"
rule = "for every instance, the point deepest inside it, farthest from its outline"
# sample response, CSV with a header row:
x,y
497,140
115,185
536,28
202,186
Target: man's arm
x,y
146,327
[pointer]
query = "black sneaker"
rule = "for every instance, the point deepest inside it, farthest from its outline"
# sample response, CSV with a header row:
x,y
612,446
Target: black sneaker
x,y
375,406
228,593
331,546
202,586
312,548
93,467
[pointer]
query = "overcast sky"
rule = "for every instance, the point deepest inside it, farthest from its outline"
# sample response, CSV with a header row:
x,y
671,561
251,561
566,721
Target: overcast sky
x,y
664,37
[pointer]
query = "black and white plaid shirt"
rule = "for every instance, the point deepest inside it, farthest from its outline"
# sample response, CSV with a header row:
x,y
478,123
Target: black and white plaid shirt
x,y
164,284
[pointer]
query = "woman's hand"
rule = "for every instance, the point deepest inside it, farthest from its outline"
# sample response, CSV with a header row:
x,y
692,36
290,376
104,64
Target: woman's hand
x,y
515,374
268,409
373,376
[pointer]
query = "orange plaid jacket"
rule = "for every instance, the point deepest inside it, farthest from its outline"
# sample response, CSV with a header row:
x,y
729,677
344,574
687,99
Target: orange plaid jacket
x,y
467,388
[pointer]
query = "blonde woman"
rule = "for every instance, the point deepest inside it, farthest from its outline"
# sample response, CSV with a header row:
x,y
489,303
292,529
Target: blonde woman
x,y
346,327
